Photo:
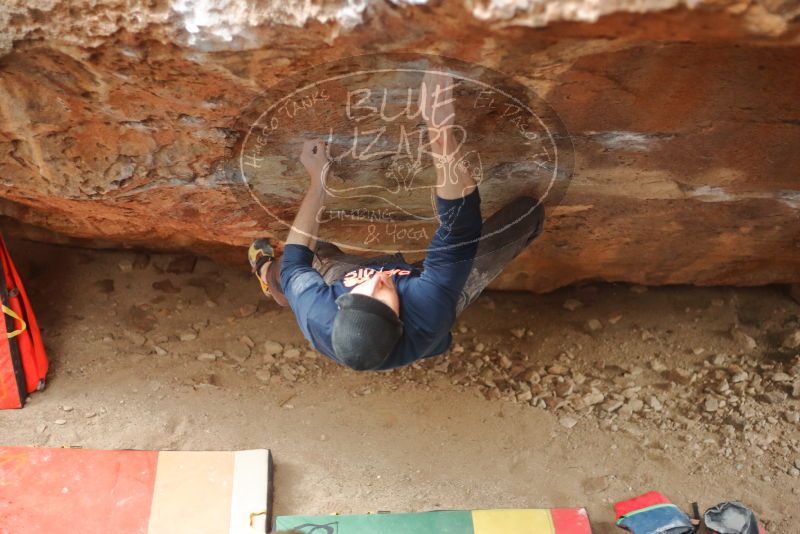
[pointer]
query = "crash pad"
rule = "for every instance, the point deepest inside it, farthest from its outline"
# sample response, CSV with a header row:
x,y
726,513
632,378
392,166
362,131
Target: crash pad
x,y
501,521
46,490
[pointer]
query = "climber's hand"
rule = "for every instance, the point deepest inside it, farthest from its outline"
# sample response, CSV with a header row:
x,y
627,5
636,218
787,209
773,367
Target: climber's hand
x,y
315,160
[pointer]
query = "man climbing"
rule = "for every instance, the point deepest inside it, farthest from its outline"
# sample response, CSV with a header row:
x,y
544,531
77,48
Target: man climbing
x,y
382,312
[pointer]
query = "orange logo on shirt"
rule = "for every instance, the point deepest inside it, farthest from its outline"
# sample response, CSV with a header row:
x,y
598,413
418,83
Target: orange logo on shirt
x,y
353,278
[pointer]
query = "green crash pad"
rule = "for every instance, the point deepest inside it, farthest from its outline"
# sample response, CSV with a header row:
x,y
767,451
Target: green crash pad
x,y
523,521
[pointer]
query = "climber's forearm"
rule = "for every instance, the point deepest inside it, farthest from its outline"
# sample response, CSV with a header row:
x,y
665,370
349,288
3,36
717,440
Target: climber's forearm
x,y
306,223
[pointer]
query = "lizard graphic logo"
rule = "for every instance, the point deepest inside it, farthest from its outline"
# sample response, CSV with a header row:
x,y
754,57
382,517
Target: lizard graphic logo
x,y
379,115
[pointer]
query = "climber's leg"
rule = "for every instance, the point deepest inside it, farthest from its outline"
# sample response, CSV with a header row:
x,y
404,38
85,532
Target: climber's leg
x,y
505,234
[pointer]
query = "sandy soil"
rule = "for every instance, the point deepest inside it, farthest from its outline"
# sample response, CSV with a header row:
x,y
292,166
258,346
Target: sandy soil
x,y
684,390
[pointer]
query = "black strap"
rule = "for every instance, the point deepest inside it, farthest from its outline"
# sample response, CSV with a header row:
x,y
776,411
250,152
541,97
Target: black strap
x,y
696,514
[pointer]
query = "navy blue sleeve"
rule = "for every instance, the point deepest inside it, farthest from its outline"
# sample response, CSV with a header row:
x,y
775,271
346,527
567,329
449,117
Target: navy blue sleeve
x,y
296,261
454,245
301,283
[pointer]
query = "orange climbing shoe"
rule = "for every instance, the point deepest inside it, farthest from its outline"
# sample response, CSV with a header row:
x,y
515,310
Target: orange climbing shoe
x,y
259,253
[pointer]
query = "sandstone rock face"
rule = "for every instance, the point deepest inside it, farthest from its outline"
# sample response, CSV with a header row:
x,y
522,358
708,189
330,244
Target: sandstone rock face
x,y
117,120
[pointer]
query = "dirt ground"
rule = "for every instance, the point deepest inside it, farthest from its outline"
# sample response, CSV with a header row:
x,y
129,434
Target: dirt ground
x,y
577,398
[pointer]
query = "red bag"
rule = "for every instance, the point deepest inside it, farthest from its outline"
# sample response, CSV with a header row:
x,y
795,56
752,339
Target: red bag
x,y
23,362
651,498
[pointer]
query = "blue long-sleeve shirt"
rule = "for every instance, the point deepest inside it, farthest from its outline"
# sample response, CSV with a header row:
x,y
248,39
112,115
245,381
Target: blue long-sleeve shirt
x,y
428,297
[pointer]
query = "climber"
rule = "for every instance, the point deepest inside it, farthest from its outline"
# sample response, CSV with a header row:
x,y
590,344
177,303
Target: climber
x,y
374,313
